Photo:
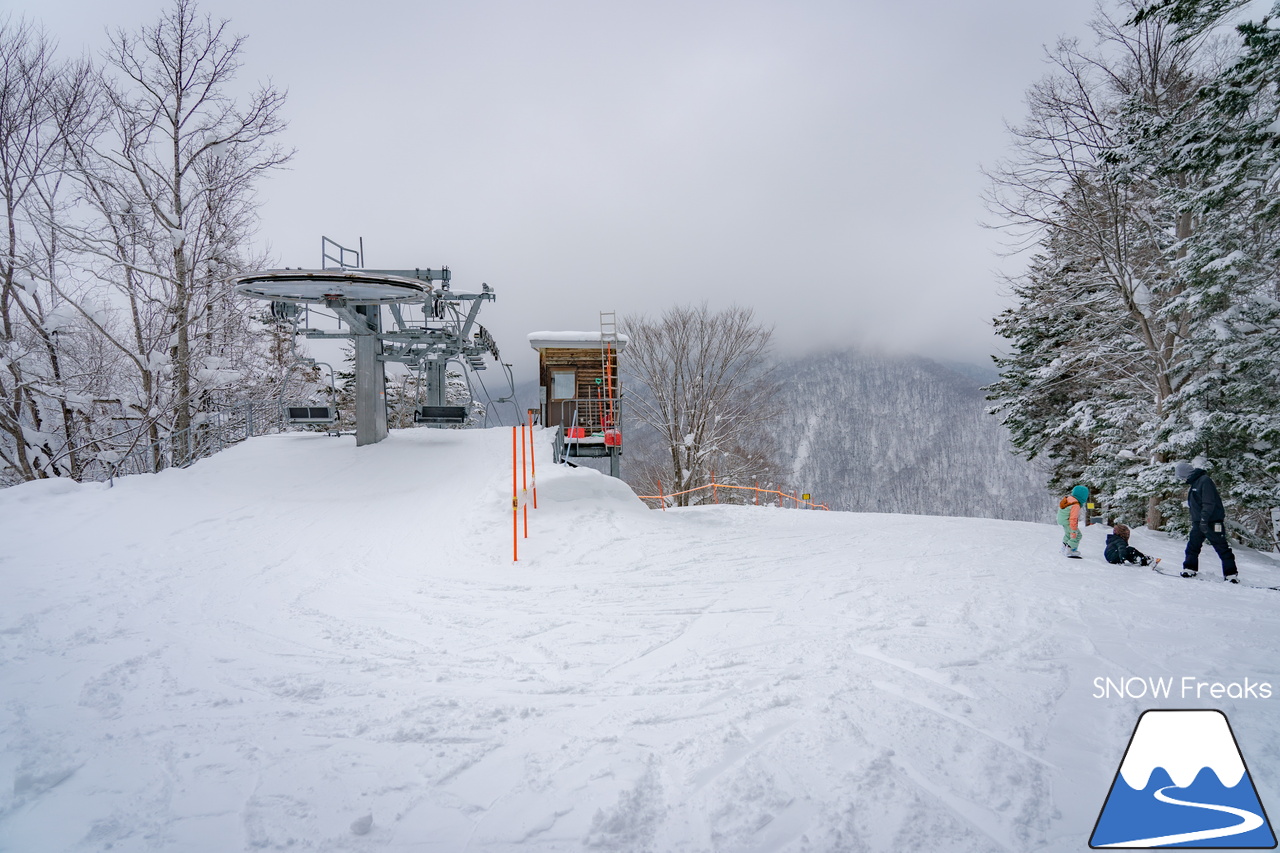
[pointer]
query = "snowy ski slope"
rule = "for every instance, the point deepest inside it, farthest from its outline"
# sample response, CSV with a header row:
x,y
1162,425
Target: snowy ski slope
x,y
303,645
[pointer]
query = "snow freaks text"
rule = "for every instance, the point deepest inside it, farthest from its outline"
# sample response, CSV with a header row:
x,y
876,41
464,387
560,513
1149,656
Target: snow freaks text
x,y
1185,687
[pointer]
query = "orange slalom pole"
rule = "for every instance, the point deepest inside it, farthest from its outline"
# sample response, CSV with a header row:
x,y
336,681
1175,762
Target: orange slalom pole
x,y
515,502
524,482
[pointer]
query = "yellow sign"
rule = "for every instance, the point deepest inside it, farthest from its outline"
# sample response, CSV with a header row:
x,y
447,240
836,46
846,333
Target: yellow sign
x,y
806,497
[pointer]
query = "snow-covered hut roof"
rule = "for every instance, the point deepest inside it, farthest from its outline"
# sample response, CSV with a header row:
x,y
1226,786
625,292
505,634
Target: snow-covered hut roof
x,y
570,340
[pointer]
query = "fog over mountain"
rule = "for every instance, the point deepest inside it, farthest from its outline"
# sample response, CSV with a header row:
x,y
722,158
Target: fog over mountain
x,y
879,433
866,432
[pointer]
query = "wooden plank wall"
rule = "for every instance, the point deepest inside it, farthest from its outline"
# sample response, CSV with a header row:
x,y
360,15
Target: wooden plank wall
x,y
587,365
586,362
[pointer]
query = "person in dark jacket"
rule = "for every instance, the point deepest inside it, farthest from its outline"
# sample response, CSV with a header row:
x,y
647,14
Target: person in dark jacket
x,y
1208,521
1118,549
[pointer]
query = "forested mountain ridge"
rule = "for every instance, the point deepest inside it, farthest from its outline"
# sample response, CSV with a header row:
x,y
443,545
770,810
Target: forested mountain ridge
x,y
879,433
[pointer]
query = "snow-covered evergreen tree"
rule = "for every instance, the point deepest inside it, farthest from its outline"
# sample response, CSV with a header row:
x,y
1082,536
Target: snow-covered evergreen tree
x,y
1103,333
1148,327
1228,413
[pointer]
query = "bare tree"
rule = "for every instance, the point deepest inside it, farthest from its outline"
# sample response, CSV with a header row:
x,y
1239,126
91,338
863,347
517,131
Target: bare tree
x,y
43,389
169,175
128,195
25,121
706,390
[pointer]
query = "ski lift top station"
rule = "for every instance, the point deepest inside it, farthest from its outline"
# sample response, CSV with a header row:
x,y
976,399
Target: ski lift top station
x,y
577,371
447,330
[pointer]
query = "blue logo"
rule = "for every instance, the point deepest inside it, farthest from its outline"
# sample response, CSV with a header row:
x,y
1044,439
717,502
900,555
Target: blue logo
x,y
1183,783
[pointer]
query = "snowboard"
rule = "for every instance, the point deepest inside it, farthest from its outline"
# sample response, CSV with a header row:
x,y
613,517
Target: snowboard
x,y
1201,576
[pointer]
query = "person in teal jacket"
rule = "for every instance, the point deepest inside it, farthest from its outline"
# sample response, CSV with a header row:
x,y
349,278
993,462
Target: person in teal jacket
x,y
1070,510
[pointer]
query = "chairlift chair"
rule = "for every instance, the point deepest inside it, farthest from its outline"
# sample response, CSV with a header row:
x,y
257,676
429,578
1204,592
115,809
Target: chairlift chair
x,y
306,415
309,414
436,415
442,415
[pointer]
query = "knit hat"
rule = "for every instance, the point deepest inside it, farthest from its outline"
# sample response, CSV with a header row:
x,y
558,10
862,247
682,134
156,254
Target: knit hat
x,y
1081,494
1122,531
1183,470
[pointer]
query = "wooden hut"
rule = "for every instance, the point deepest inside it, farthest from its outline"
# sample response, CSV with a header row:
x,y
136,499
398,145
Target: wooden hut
x,y
579,390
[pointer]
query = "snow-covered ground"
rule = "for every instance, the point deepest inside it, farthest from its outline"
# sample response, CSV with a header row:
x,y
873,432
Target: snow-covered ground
x,y
300,644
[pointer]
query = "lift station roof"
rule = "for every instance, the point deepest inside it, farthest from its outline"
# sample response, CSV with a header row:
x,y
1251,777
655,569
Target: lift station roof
x,y
355,287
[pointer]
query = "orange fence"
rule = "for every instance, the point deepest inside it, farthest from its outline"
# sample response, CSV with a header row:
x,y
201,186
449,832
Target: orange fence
x,y
715,491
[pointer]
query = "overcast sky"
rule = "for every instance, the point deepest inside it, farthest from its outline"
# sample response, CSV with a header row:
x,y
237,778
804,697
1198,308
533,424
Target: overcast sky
x,y
817,161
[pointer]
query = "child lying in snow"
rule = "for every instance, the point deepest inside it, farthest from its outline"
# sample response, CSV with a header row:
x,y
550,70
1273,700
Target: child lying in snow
x,y
1120,551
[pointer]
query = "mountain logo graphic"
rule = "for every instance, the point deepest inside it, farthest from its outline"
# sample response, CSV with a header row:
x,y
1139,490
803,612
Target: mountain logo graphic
x,y
1183,783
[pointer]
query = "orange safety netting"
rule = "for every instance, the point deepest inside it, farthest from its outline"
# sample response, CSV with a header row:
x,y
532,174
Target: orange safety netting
x,y
718,486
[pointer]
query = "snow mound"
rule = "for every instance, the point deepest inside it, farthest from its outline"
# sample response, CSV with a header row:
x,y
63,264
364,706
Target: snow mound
x,y
563,484
39,490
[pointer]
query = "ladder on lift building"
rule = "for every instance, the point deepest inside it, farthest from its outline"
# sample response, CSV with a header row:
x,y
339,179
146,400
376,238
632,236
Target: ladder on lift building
x,y
608,358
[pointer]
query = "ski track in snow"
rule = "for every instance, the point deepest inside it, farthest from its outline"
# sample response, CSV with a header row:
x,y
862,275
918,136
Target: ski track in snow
x,y
302,645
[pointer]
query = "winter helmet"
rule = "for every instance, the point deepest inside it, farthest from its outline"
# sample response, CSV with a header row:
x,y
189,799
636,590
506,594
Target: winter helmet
x,y
1081,494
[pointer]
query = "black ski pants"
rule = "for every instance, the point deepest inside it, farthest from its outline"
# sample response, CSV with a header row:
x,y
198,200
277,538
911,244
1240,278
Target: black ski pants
x,y
1219,542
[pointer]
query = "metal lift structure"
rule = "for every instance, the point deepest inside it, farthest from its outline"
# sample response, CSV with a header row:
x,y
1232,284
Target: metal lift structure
x,y
356,296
